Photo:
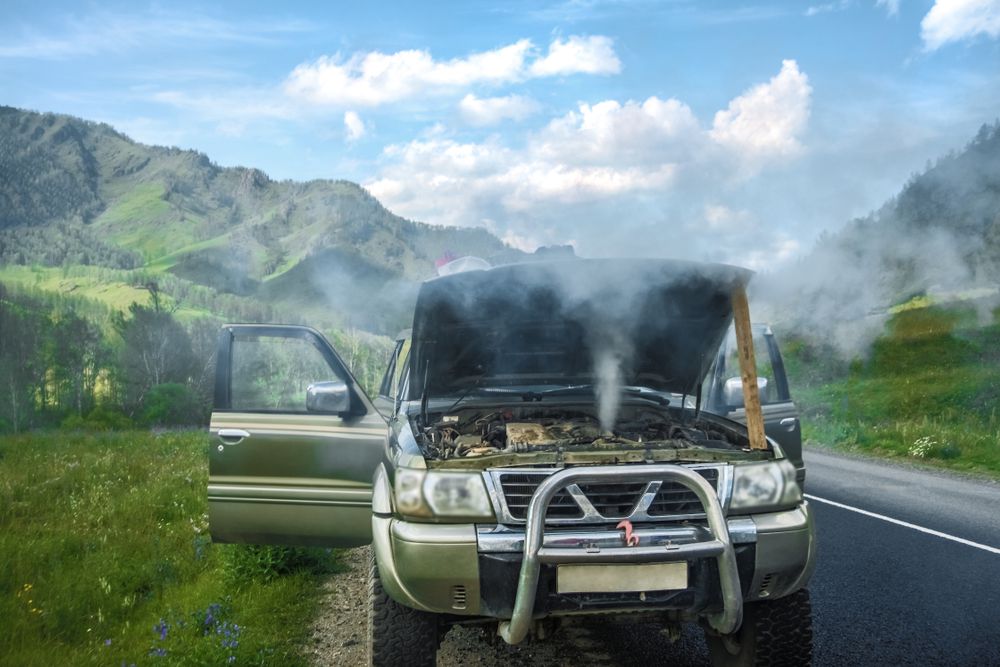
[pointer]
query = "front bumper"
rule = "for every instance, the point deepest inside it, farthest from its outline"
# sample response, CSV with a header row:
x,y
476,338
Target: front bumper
x,y
483,571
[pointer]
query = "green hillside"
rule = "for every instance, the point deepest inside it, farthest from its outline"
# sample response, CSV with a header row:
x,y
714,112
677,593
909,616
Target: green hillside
x,y
76,193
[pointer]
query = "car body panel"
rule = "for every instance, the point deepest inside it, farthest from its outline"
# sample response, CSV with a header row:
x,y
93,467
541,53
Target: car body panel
x,y
288,476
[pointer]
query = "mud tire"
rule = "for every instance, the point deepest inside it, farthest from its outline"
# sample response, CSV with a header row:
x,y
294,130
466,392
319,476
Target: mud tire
x,y
398,636
776,633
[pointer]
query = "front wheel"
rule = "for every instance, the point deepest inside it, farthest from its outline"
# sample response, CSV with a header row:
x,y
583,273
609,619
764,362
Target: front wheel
x,y
398,636
774,632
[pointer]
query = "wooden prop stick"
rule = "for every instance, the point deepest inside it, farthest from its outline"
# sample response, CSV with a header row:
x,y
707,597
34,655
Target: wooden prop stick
x,y
748,369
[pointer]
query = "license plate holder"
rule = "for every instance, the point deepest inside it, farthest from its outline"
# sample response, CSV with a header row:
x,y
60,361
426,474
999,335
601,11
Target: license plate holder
x,y
621,578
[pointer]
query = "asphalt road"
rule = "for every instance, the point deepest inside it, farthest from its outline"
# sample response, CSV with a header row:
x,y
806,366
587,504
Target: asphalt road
x,y
927,593
888,594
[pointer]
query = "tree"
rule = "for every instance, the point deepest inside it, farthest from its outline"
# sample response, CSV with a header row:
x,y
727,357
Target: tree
x,y
22,367
155,350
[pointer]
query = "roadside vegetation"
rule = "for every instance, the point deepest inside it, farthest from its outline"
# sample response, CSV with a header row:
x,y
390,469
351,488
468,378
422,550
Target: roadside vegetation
x,y
78,363
929,390
107,560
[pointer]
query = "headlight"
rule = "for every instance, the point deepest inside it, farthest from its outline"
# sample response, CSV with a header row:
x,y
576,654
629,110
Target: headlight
x,y
456,494
409,497
421,493
764,487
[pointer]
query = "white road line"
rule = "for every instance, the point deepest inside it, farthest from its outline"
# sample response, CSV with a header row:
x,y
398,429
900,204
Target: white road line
x,y
906,524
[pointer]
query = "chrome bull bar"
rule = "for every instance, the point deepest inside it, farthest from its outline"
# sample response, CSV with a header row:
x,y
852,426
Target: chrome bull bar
x,y
720,546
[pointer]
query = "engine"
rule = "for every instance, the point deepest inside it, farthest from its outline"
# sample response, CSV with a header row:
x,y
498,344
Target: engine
x,y
473,433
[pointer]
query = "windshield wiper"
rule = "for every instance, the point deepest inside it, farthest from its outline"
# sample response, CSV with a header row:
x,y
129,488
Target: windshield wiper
x,y
480,390
529,396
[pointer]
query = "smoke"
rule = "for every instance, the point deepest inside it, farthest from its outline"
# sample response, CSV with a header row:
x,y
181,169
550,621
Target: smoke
x,y
939,238
608,365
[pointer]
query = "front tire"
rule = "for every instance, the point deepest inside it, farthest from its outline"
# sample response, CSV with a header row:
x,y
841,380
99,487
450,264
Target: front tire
x,y
398,636
775,632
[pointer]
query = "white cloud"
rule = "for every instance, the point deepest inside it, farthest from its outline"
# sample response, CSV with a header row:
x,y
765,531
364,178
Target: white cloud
x,y
957,20
587,55
610,132
766,120
651,169
375,78
839,6
481,111
891,6
354,127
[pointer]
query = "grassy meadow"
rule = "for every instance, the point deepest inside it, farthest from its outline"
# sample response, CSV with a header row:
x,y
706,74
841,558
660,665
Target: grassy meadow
x,y
928,391
107,560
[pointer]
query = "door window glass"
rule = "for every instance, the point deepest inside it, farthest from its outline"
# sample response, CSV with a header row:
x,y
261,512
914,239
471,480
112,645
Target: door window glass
x,y
769,390
385,389
271,373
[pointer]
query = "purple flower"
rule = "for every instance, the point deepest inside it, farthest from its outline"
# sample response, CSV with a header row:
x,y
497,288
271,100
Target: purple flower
x,y
107,642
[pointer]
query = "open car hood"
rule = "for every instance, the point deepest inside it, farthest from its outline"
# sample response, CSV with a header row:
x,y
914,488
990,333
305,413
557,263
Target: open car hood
x,y
651,323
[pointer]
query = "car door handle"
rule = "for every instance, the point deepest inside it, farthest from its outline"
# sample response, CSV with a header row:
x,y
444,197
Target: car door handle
x,y
232,436
788,422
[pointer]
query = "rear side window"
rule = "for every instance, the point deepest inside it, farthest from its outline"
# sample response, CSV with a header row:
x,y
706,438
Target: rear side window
x,y
271,373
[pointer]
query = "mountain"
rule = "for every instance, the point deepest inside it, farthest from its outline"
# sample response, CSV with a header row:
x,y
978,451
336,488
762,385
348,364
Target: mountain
x,y
77,193
938,239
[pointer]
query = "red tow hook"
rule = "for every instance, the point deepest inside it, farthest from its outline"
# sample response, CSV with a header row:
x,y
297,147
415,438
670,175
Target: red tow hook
x,y
631,539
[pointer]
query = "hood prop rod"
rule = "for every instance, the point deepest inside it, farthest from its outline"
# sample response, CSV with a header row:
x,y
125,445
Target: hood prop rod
x,y
748,368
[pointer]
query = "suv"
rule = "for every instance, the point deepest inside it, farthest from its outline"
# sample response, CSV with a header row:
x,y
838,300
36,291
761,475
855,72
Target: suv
x,y
550,439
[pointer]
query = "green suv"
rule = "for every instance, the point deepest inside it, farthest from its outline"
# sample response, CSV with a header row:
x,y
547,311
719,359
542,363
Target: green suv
x,y
550,439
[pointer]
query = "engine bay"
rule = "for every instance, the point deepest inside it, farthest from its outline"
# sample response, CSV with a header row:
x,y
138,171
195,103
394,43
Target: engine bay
x,y
473,433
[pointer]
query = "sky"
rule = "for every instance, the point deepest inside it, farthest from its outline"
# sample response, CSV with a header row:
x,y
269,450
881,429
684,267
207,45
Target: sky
x,y
722,131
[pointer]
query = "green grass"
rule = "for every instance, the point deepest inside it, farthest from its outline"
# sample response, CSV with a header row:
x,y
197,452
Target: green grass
x,y
106,560
85,282
144,201
114,288
929,391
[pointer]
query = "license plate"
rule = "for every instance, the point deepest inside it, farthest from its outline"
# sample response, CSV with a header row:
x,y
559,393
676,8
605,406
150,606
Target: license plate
x,y
629,578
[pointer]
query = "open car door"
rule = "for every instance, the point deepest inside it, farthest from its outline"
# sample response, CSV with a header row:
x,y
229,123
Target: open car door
x,y
295,441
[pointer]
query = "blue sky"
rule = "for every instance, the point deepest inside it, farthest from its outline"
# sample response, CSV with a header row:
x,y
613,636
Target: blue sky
x,y
713,130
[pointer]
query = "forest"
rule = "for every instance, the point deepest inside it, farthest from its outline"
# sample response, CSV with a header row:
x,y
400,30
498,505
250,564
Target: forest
x,y
76,363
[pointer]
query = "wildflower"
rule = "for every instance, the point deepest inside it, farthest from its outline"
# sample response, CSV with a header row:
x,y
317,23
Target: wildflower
x,y
162,628
107,642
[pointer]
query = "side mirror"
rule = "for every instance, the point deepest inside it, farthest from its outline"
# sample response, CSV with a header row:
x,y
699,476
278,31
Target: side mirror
x,y
732,392
328,397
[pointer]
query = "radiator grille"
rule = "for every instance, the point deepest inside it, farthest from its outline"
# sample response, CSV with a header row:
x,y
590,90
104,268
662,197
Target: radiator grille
x,y
611,500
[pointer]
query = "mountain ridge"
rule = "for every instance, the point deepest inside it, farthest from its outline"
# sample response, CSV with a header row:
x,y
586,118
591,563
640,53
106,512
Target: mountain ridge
x,y
126,205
